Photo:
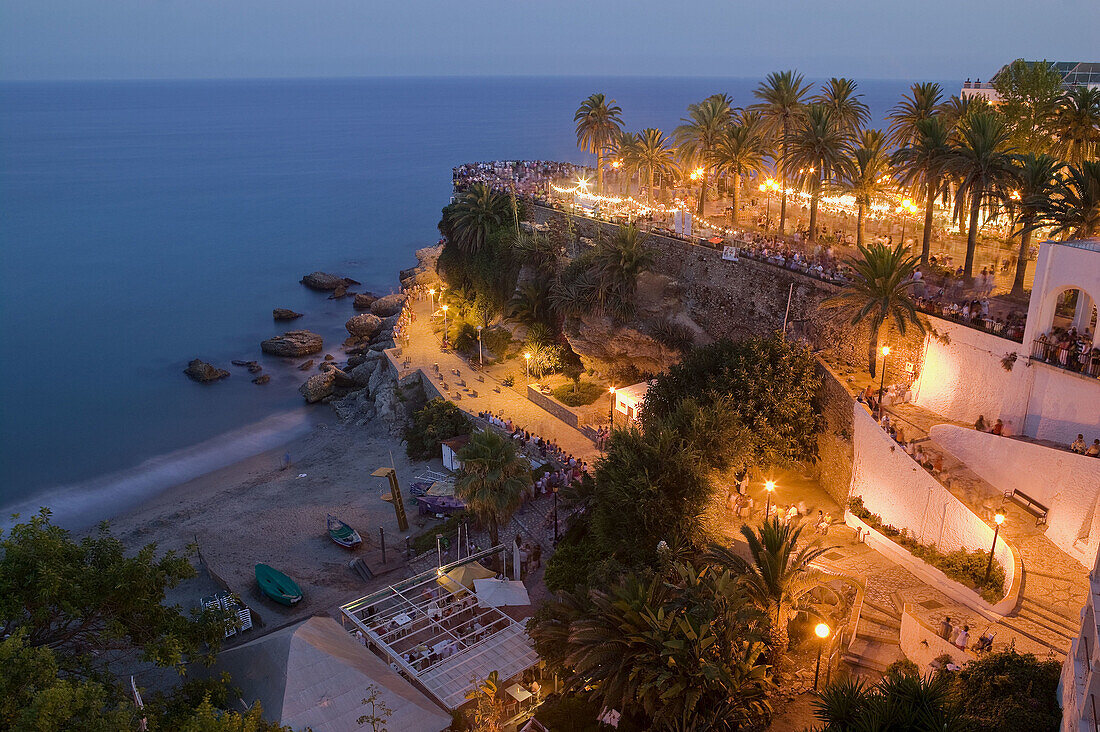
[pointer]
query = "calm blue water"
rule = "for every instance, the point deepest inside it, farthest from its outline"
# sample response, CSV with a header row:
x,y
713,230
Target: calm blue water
x,y
143,224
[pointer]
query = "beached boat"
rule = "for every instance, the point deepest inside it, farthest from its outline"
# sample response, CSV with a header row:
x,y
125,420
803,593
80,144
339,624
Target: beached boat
x,y
343,534
277,586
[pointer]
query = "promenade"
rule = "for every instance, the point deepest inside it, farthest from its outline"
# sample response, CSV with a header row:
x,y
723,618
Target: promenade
x,y
473,391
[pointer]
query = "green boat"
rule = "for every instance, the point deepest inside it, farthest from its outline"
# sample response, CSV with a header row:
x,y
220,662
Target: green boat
x,y
277,586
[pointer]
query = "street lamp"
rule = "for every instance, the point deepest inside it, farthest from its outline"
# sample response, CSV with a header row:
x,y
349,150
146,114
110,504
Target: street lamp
x,y
882,381
480,357
555,489
445,321
611,411
432,293
527,364
769,487
767,187
905,207
999,519
822,631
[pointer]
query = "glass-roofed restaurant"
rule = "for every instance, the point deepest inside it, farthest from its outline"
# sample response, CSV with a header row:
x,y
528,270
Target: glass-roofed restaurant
x,y
1074,74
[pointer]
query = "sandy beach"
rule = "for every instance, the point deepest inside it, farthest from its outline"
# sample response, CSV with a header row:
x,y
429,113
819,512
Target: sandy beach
x,y
254,511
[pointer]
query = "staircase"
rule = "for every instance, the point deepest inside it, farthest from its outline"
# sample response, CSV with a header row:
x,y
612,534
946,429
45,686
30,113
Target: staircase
x,y
1049,626
878,640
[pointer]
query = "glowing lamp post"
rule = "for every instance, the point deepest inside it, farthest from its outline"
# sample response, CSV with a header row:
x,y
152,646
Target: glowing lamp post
x,y
769,488
444,321
882,380
611,411
767,187
527,365
822,632
432,293
480,357
999,519
905,207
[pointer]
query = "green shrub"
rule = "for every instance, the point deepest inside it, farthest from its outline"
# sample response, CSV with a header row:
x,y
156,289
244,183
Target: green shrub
x,y
962,565
902,667
1008,691
425,540
464,337
586,393
436,421
571,563
497,340
674,335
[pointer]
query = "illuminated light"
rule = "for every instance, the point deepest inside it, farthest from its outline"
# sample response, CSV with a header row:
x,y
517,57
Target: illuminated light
x,y
999,518
616,163
822,630
769,486
527,356
445,307
612,390
886,350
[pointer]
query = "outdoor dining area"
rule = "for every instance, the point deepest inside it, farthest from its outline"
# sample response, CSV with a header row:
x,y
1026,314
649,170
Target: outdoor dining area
x,y
445,629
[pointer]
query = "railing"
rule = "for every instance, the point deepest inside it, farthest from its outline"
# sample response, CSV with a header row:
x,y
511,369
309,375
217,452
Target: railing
x,y
1092,245
1065,357
1014,332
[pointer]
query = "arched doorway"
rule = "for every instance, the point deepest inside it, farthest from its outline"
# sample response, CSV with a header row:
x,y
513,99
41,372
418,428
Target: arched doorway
x,y
1069,340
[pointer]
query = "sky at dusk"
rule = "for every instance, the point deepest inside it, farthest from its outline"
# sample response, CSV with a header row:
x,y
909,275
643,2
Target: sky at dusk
x,y
116,39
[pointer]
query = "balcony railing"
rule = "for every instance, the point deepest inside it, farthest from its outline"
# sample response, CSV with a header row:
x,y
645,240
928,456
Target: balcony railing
x,y
1068,358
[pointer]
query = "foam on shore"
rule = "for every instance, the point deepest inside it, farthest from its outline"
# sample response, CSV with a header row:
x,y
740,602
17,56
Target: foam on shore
x,y
80,505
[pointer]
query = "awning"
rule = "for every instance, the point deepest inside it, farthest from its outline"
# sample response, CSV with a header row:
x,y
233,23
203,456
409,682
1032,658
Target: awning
x,y
463,578
500,593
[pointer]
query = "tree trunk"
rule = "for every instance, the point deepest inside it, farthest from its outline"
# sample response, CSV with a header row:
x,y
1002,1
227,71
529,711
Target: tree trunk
x,y
702,195
926,244
972,237
599,171
649,191
872,346
494,530
735,194
859,226
783,180
1021,260
813,210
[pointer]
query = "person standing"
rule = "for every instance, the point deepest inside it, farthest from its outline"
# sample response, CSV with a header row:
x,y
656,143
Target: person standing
x,y
946,627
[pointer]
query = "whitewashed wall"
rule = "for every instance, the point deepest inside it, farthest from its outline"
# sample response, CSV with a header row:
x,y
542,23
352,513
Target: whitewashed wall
x,y
906,496
1067,483
963,378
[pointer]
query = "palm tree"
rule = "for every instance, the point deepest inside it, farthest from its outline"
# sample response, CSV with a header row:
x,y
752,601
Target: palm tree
x,y
1076,125
849,111
489,712
531,304
816,150
626,152
778,577
957,109
899,701
866,175
493,481
617,264
699,134
599,123
981,161
922,102
476,212
1036,180
652,156
879,291
781,103
679,649
921,164
1074,211
740,151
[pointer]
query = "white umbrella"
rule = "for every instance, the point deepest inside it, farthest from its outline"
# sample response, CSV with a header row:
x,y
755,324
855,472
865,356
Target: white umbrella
x,y
500,593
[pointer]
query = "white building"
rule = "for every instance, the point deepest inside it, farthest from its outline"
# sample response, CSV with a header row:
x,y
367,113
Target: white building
x,y
1074,73
1080,683
629,399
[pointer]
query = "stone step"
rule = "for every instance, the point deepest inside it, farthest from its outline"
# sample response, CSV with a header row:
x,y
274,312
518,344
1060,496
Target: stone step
x,y
1050,628
882,610
1056,615
869,654
875,627
1055,642
873,616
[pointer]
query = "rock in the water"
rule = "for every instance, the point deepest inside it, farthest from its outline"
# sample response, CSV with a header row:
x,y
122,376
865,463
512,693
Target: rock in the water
x,y
262,379
386,306
329,357
339,292
363,301
293,343
364,325
343,380
326,282
318,386
202,371
284,314
306,366
253,366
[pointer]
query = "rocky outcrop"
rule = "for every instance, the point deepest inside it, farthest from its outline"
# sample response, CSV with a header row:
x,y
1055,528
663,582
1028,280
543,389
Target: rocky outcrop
x,y
364,325
293,343
363,301
318,386
284,314
203,372
253,367
326,282
424,273
306,366
613,348
387,306
262,379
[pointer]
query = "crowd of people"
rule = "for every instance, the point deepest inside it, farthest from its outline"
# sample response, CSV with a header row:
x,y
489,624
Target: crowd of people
x,y
1081,448
525,177
1069,349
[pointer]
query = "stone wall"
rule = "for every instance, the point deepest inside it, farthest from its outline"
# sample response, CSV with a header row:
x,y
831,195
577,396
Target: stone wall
x,y
834,443
554,407
749,298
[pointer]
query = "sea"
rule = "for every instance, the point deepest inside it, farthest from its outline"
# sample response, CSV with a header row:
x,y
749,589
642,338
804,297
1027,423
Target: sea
x,y
147,223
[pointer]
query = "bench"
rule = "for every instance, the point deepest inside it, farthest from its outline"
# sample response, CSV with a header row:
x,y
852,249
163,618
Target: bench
x,y
1029,504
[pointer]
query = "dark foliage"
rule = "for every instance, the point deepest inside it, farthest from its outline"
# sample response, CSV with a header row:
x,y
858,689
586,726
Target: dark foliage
x,y
436,421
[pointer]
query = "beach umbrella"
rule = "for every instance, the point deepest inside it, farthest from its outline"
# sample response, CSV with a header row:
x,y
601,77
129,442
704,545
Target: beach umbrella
x,y
500,593
462,578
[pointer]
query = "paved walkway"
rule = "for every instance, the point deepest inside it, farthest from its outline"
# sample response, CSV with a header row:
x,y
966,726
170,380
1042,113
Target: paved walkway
x,y
423,352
